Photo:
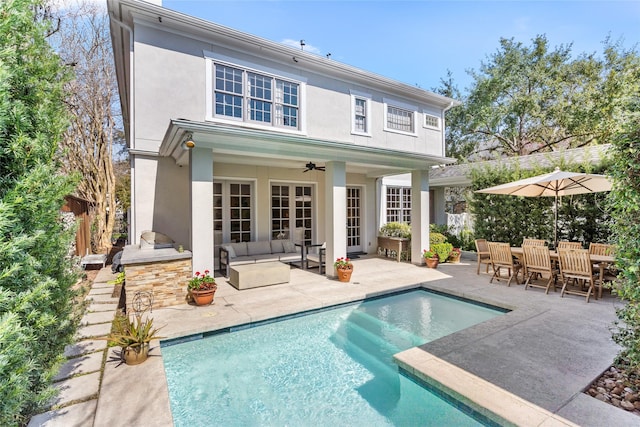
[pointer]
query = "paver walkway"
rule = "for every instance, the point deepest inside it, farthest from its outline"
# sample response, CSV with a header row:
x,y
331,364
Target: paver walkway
x,y
79,378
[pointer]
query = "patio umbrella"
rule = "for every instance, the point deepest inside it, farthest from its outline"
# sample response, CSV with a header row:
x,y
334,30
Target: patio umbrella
x,y
554,184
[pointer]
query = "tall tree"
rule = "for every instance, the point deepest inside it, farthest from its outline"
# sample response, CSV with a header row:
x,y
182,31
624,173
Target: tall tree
x,y
36,275
84,42
528,99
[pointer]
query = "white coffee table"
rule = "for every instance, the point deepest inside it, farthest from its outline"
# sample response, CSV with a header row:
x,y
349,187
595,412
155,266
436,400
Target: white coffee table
x,y
247,276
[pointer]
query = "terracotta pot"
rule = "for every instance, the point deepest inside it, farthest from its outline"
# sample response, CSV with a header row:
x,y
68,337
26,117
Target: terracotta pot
x,y
344,274
432,262
135,355
454,257
202,297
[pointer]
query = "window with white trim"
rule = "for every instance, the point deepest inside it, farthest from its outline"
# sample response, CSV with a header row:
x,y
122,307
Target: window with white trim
x,y
360,113
399,119
431,121
399,204
248,96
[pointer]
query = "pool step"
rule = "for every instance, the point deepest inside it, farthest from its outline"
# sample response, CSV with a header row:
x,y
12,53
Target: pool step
x,y
364,351
400,338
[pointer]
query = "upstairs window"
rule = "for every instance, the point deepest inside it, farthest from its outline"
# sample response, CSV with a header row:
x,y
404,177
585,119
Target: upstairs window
x,y
432,122
399,204
399,117
360,113
247,96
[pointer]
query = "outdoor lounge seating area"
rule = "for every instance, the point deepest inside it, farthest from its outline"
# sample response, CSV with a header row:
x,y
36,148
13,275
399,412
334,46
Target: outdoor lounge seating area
x,y
580,271
233,254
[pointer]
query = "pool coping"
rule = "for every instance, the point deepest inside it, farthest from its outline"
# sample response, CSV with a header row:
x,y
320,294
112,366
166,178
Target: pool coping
x,y
480,395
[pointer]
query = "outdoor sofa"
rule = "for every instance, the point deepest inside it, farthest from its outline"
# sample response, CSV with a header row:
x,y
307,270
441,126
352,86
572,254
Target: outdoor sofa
x,y
254,252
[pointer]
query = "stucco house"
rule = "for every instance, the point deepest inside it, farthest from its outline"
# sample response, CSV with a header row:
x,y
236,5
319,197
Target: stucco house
x,y
236,138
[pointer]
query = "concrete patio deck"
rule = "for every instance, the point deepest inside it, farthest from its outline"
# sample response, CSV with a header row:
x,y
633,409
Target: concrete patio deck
x,y
537,358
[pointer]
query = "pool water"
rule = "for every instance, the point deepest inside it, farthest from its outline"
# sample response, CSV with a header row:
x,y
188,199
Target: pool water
x,y
329,368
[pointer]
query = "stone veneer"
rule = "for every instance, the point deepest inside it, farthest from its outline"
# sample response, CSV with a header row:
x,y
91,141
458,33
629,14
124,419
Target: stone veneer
x,y
165,272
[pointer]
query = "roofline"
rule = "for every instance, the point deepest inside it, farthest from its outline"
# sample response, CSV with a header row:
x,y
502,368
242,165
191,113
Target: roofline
x,y
162,18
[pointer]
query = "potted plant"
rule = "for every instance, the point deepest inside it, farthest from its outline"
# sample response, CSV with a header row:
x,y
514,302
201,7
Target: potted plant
x,y
344,267
454,255
202,288
431,258
133,335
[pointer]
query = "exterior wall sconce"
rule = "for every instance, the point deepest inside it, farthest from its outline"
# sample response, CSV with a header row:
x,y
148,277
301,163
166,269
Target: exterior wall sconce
x,y
189,144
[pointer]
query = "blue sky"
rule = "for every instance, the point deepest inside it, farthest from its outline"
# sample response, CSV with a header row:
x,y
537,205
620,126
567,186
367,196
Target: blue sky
x,y
415,42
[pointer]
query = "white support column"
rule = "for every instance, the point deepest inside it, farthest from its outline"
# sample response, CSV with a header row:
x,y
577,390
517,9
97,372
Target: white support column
x,y
335,213
419,215
201,197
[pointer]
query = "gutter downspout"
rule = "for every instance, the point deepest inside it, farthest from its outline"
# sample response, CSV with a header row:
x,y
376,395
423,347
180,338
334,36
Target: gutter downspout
x,y
444,141
132,209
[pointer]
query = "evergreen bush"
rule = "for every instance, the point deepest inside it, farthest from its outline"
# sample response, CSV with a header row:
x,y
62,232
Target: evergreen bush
x,y
36,275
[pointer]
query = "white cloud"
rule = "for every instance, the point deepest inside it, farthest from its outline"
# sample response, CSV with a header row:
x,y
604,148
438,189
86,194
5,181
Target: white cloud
x,y
307,47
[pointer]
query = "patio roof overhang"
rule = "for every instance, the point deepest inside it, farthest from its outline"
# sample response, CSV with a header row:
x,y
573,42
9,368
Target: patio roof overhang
x,y
234,144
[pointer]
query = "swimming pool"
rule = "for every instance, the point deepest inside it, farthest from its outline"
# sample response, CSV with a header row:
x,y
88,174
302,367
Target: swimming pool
x,y
329,368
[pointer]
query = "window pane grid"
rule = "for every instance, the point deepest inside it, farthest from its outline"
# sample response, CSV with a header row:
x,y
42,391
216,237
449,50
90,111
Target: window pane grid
x,y
399,119
360,115
250,96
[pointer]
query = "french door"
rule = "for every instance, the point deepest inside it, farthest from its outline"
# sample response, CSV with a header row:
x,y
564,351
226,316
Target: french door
x,y
354,221
232,212
292,213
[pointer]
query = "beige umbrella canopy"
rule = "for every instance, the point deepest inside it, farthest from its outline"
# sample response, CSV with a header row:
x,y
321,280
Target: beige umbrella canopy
x,y
554,184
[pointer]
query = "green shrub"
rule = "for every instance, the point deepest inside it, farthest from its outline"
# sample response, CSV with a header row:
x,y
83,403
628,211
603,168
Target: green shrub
x,y
436,239
443,250
396,229
37,316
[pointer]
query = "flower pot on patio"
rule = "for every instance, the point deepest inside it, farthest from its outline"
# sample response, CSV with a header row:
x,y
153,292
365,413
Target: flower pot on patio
x,y
202,297
454,256
432,262
135,355
344,274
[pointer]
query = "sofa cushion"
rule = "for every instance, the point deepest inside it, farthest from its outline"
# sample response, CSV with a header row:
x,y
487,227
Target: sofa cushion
x,y
266,258
243,260
288,246
230,250
239,248
258,248
276,247
289,257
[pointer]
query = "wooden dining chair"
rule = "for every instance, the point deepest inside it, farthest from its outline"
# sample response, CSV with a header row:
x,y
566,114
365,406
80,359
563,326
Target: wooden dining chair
x,y
537,260
502,258
484,257
565,244
533,242
601,249
575,264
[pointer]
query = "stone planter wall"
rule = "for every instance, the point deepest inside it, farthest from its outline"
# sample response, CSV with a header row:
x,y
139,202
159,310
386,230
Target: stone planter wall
x,y
164,272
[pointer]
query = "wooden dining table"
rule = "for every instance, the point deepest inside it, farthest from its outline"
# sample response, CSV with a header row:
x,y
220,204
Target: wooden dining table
x,y
602,261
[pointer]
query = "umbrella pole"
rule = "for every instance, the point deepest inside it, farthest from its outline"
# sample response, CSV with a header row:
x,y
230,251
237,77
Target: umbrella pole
x,y
555,228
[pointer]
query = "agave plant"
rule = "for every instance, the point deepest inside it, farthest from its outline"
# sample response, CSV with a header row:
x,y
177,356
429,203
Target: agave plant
x,y
133,332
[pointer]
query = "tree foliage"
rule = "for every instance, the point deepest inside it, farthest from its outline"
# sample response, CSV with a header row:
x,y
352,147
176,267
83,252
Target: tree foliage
x,y
36,277
625,201
531,98
92,98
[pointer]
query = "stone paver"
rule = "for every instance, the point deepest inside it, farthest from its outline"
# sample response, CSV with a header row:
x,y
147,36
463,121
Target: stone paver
x,y
101,298
77,388
92,331
78,415
97,317
85,364
95,307
100,291
84,347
